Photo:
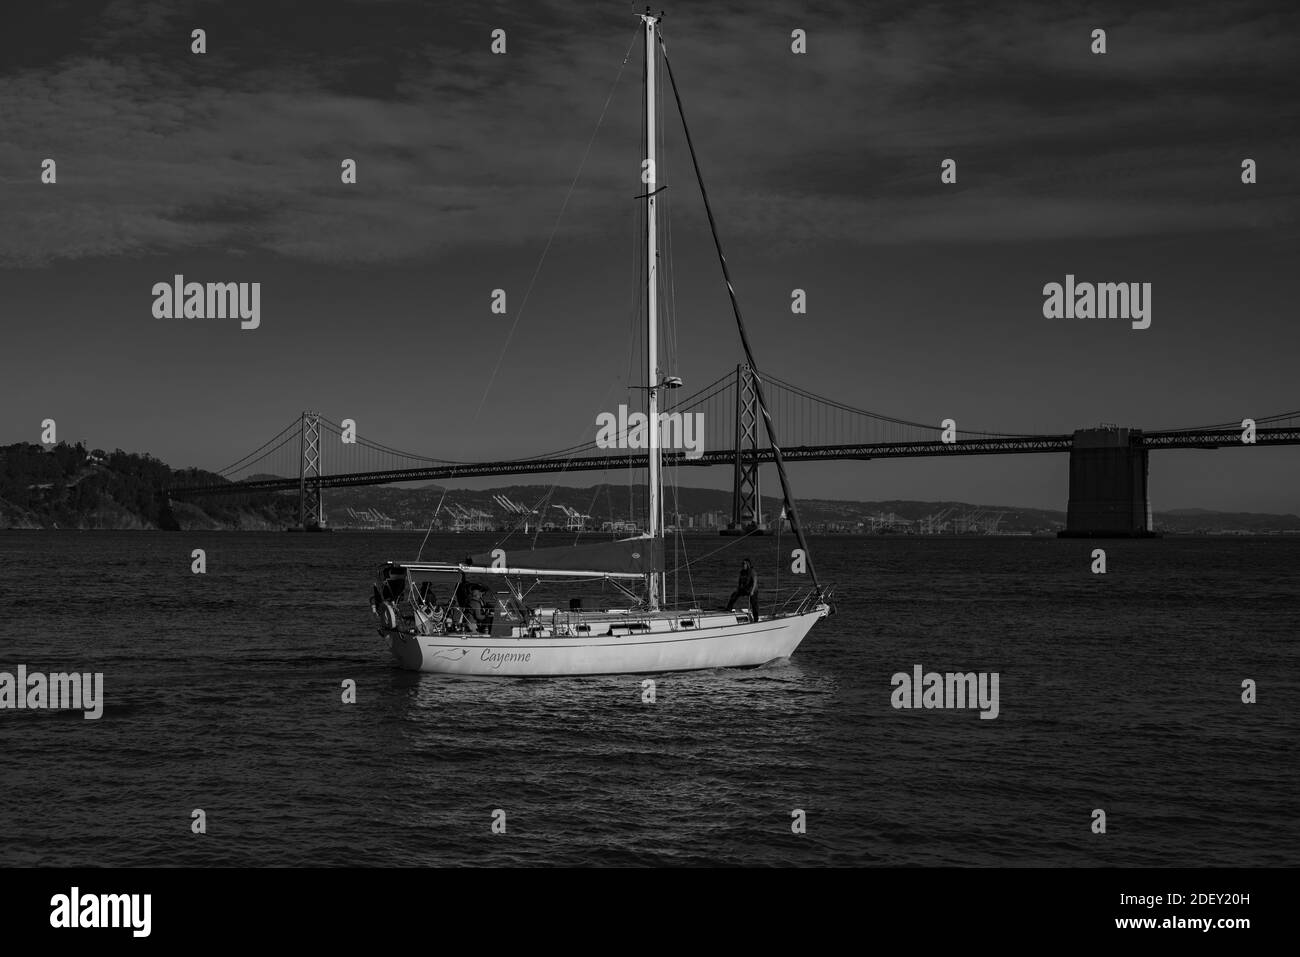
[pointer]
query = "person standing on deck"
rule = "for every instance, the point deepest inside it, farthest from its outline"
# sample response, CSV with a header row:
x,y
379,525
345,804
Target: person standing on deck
x,y
746,587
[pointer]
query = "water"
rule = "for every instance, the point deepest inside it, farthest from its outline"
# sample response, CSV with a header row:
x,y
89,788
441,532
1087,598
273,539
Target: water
x,y
223,692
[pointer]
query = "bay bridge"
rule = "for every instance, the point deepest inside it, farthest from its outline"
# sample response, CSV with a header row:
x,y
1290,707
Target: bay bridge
x,y
1108,465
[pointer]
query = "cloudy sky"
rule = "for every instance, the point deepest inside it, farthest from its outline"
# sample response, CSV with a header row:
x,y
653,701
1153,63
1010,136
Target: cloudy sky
x,y
925,299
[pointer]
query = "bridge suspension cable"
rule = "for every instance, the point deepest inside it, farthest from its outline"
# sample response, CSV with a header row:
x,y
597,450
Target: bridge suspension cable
x,y
1222,426
844,407
257,454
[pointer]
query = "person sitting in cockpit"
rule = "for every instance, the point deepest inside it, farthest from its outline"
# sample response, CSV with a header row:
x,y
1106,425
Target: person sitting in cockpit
x,y
473,610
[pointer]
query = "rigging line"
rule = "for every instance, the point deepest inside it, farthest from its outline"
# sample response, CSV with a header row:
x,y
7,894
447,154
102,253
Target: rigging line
x,y
643,277
667,277
583,525
431,521
554,485
636,272
667,364
638,289
542,506
677,539
795,524
554,229
690,579
780,520
674,487
727,543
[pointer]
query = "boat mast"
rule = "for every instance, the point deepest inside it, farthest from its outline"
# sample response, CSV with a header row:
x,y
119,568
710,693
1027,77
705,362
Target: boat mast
x,y
649,175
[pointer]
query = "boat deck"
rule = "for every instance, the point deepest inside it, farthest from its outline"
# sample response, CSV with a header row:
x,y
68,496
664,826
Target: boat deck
x,y
618,621
612,622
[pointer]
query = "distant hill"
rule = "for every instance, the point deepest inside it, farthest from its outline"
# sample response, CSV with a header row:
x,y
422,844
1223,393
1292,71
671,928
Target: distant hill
x,y
699,509
1202,521
413,508
70,486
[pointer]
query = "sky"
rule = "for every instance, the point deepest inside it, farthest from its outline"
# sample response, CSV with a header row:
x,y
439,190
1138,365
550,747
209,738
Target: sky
x,y
925,299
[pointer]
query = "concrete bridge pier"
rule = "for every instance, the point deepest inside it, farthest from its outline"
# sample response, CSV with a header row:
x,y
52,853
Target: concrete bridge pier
x,y
1108,485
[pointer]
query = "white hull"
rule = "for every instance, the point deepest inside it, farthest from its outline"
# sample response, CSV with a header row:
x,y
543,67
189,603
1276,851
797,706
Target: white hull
x,y
734,645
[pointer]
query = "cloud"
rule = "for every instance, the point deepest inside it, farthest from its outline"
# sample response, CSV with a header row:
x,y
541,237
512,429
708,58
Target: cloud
x,y
160,151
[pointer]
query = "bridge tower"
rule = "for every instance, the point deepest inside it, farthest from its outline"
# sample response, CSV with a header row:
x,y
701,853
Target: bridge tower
x,y
1108,485
311,500
746,502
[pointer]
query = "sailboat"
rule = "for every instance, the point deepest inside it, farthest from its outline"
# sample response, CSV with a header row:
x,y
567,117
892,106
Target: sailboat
x,y
491,615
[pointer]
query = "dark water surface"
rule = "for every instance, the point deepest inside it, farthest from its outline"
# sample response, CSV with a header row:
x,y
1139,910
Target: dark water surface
x,y
223,692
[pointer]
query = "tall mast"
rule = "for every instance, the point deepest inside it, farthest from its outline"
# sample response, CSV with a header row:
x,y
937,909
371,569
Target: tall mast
x,y
649,176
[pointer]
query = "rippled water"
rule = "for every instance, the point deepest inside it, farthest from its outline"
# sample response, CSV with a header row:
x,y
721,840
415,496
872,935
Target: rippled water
x,y
222,692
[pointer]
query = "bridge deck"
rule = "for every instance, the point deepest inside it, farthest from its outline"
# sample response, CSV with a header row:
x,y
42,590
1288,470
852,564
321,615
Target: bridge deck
x,y
1010,445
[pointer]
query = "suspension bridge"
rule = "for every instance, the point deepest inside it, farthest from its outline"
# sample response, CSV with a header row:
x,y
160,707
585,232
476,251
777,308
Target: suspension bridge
x,y
1108,465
